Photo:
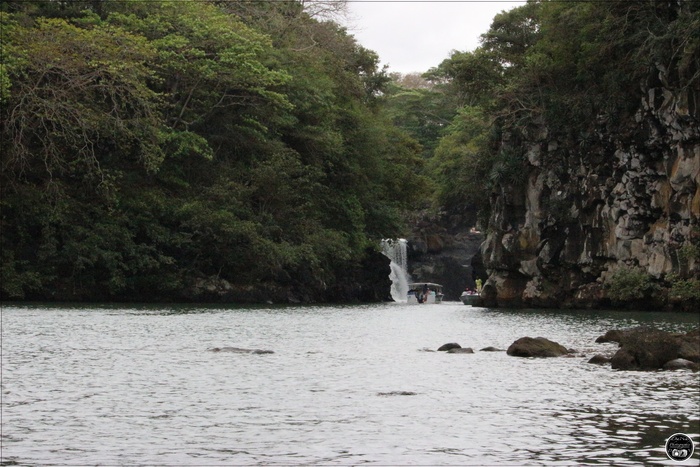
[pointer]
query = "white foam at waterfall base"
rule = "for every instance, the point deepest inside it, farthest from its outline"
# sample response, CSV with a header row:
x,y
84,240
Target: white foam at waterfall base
x,y
399,283
395,250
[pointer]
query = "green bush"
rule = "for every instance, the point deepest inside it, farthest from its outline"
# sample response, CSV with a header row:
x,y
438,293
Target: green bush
x,y
684,289
689,251
630,284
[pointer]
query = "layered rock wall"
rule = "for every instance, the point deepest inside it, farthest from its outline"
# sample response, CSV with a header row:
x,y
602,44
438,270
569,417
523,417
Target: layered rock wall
x,y
613,200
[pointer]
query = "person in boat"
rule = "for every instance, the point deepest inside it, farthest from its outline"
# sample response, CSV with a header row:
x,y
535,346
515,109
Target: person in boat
x,y
425,293
478,286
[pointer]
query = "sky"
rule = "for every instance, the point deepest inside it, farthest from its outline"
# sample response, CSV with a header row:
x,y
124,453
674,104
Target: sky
x,y
414,36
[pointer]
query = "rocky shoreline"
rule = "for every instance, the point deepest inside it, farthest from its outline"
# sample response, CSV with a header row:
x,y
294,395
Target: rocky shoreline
x,y
639,349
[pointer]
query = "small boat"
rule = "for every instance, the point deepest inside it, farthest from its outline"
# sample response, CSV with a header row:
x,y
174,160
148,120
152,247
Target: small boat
x,y
469,298
424,292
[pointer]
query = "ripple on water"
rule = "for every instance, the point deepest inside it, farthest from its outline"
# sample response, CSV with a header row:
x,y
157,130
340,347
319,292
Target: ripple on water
x,y
346,385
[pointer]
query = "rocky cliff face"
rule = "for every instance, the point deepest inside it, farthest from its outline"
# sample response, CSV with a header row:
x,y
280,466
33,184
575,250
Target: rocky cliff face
x,y
623,200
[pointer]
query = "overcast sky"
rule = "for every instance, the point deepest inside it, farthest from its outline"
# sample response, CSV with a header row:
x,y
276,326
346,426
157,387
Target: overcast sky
x,y
417,35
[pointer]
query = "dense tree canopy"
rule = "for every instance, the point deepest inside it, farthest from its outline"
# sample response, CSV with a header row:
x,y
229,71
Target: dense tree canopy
x,y
151,145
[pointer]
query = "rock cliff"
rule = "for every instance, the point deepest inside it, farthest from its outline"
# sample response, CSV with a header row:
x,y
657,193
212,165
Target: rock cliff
x,y
441,250
625,197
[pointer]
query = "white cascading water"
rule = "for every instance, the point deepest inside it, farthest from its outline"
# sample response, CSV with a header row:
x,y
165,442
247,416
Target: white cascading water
x,y
395,250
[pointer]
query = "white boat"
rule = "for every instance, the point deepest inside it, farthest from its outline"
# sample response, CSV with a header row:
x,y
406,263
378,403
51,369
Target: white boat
x,y
424,292
469,298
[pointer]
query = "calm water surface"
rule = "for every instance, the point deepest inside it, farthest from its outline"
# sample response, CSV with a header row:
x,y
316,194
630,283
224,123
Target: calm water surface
x,y
118,385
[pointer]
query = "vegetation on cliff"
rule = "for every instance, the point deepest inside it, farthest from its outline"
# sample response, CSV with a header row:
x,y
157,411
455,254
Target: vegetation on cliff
x,y
580,125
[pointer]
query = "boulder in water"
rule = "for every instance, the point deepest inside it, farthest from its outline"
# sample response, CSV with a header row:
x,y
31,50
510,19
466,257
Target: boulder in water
x,y
650,349
599,359
536,347
448,346
681,364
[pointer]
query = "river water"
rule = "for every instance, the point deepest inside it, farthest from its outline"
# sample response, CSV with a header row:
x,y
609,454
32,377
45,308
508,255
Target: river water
x,y
346,385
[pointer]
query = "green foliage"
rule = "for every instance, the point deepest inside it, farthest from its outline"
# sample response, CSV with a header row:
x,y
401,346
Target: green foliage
x,y
512,34
156,143
462,161
689,251
69,108
210,69
630,284
508,168
424,113
684,290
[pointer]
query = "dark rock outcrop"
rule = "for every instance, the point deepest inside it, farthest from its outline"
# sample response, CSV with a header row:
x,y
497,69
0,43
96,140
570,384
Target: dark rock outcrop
x,y
689,348
240,350
536,347
626,198
651,349
441,250
614,335
368,282
449,346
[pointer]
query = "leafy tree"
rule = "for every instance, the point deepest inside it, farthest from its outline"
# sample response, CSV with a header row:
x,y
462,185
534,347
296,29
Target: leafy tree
x,y
66,110
462,162
158,144
211,73
422,113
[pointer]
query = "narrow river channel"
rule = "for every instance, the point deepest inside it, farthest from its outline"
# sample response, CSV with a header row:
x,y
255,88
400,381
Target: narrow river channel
x,y
346,385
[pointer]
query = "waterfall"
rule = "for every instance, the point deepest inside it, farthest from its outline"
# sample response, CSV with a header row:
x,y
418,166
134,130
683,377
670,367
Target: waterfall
x,y
395,250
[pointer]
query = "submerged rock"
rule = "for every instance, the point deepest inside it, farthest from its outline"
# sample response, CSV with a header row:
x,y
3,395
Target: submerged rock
x,y
599,359
448,346
490,349
681,364
240,350
461,350
536,347
397,393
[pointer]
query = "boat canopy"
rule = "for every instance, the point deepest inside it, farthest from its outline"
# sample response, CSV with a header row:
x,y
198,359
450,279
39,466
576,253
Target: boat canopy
x,y
420,285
